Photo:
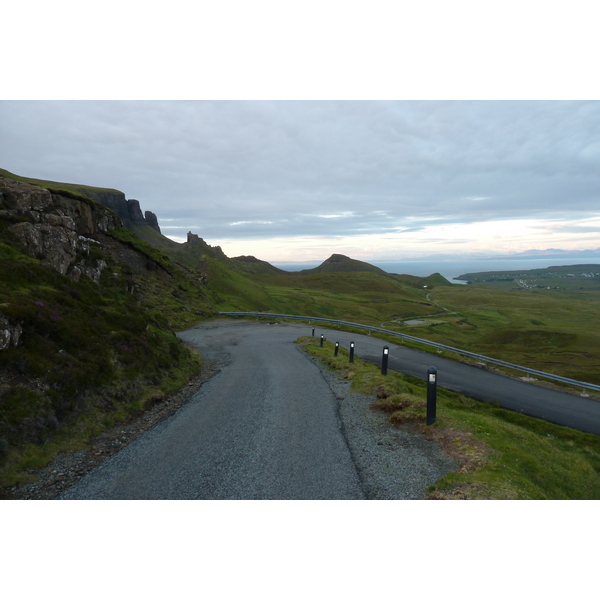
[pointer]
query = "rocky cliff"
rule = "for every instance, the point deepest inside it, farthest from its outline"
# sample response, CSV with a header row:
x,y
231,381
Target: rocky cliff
x,y
55,228
129,210
87,312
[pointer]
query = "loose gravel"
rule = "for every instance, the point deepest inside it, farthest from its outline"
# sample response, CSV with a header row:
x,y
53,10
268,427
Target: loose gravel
x,y
68,469
393,464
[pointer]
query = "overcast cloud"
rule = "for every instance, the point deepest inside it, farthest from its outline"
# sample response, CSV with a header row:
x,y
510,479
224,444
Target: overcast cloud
x,y
288,180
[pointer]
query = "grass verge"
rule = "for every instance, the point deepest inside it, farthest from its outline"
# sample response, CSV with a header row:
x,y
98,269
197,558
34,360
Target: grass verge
x,y
503,455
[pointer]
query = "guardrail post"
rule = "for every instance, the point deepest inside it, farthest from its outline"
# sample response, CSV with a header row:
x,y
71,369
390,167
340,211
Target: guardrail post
x,y
322,338
351,352
337,347
384,360
431,395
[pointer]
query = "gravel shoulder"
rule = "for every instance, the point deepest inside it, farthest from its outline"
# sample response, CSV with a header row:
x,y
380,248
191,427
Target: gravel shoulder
x,y
393,464
68,469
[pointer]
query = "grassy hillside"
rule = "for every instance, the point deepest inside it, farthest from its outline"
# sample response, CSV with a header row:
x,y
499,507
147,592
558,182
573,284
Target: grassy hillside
x,y
73,188
550,332
251,265
89,354
338,263
363,297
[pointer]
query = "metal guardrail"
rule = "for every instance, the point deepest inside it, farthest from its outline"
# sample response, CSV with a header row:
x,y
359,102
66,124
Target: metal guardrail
x,y
484,359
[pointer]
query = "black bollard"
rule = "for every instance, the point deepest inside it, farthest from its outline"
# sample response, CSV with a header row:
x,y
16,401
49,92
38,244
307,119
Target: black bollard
x,y
431,395
352,352
384,360
322,338
313,333
337,347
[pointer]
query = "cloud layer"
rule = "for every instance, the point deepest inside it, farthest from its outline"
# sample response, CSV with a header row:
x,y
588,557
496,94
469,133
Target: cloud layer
x,y
347,170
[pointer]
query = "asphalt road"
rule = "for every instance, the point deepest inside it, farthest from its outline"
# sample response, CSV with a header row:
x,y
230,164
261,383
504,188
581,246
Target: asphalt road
x,y
268,425
530,399
265,427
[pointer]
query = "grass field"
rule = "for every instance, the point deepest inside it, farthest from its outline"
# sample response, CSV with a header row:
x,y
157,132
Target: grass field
x,y
548,330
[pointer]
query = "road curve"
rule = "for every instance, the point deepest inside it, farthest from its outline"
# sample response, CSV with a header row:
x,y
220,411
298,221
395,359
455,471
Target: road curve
x,y
268,425
265,427
557,407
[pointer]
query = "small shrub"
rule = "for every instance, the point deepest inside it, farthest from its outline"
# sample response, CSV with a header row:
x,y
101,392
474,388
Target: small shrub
x,y
394,403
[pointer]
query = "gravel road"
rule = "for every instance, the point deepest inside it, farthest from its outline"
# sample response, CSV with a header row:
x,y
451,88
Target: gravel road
x,y
272,424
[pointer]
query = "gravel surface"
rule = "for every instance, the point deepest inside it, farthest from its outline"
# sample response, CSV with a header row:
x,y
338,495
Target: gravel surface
x,y
393,464
372,458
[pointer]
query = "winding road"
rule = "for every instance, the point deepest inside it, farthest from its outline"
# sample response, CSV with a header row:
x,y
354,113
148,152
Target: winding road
x,y
557,407
270,426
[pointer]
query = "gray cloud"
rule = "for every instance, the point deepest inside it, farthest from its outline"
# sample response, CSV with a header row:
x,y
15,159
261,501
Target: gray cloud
x,y
264,169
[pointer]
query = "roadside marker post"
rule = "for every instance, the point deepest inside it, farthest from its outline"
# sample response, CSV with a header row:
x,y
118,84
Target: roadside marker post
x,y
431,395
322,338
351,352
384,360
337,347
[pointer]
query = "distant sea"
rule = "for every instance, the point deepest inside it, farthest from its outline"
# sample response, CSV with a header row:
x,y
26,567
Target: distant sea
x,y
454,268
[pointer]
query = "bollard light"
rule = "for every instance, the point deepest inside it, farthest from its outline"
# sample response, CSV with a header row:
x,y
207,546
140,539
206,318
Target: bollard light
x,y
431,395
313,333
337,347
351,352
384,360
322,338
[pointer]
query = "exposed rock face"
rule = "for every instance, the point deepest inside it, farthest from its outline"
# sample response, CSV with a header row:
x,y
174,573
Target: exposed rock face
x,y
201,246
10,333
129,210
55,228
152,220
113,200
135,212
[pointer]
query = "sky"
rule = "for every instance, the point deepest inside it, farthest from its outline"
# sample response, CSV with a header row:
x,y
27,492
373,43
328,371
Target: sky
x,y
399,133
300,180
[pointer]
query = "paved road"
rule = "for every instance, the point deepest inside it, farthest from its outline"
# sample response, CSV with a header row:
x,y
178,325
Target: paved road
x,y
557,407
266,427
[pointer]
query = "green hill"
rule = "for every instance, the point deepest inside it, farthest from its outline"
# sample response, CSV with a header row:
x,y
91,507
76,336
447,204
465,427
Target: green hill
x,y
338,263
253,266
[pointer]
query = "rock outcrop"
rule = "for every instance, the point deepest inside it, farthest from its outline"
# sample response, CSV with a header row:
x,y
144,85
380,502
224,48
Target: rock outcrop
x,y
152,220
135,212
199,245
57,229
10,333
129,210
111,199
